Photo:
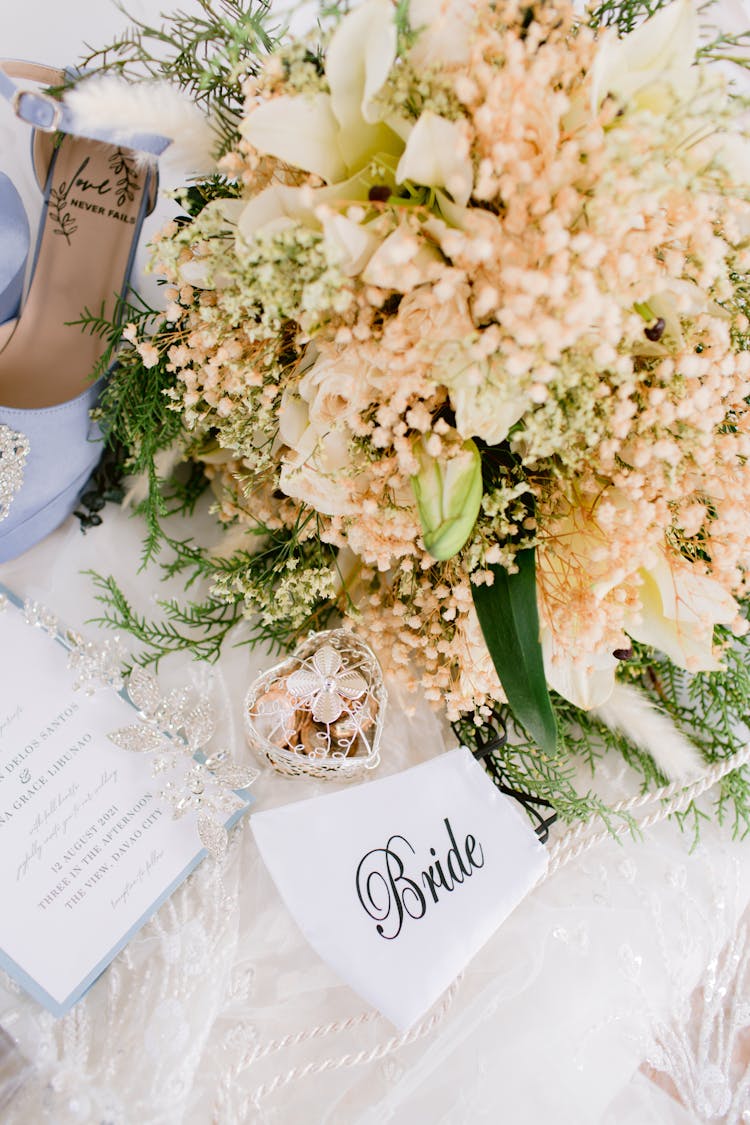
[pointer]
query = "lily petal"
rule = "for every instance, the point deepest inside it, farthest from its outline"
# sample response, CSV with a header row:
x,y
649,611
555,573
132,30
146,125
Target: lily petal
x,y
359,58
585,681
354,243
678,614
685,643
659,52
437,156
268,207
300,130
364,144
443,32
687,596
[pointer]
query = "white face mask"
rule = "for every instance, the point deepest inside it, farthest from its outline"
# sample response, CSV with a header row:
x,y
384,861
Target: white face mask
x,y
397,883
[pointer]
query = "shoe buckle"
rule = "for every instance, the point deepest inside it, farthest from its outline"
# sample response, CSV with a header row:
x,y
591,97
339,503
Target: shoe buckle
x,y
57,110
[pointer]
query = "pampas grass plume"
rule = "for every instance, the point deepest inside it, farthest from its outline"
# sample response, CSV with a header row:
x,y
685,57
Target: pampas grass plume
x,y
631,713
112,104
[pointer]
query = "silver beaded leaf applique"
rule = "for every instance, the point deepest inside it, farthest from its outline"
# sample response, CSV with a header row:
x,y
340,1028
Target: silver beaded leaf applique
x,y
176,729
14,449
38,615
95,663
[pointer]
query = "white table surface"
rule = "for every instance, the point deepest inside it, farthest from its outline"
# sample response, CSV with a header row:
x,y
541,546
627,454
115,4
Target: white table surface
x,y
219,1012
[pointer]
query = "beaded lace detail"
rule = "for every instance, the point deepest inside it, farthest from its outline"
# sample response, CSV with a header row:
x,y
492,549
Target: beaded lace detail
x,y
14,450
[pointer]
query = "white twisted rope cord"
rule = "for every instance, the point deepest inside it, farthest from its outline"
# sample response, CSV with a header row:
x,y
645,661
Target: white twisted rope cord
x,y
667,800
362,1057
319,1032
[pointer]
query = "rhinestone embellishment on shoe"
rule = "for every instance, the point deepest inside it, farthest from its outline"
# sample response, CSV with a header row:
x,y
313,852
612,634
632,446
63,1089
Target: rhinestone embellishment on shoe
x,y
14,449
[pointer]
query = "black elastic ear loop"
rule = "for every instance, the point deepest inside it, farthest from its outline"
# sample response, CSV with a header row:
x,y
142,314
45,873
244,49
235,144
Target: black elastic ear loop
x,y
485,753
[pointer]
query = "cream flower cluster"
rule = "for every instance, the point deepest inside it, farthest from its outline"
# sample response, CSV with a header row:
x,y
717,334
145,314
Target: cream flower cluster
x,y
472,230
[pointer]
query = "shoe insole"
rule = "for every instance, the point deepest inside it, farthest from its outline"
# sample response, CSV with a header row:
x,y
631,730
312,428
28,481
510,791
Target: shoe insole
x,y
95,201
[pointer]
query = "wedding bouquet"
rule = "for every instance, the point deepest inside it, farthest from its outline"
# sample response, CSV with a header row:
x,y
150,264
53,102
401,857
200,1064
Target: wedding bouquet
x,y
457,329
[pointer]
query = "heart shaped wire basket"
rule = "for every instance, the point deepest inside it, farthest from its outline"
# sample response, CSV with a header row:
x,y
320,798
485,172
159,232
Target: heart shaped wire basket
x,y
320,711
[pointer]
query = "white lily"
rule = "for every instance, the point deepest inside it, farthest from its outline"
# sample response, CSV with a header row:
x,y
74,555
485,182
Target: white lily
x,y
300,130
336,134
358,62
352,243
677,300
678,612
653,66
275,203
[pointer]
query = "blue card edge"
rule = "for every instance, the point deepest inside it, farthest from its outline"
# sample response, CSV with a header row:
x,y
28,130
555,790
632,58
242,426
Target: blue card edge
x,y
60,1008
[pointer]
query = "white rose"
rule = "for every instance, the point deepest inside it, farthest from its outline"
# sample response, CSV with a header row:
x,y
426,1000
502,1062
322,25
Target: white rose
x,y
424,319
327,480
335,389
486,401
318,468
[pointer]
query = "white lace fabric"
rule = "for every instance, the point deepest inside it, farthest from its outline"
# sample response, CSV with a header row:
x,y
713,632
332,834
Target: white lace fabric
x,y
218,1011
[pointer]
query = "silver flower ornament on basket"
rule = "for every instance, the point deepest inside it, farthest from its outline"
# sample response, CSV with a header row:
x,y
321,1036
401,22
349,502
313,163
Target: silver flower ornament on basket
x,y
320,712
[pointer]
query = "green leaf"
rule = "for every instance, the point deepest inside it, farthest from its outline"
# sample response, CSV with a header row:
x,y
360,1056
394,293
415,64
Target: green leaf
x,y
509,619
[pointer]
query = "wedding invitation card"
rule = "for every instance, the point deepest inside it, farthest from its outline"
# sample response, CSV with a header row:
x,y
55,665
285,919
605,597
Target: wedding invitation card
x,y
89,849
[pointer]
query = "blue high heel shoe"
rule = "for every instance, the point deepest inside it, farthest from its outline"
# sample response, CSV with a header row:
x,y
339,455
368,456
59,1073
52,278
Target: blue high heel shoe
x,y
97,192
14,241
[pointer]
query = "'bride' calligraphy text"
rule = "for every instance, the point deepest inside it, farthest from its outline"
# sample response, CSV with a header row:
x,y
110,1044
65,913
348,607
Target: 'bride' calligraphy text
x,y
389,894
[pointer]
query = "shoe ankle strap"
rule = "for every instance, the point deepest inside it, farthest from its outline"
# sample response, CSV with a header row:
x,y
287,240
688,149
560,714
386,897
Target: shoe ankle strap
x,y
45,112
